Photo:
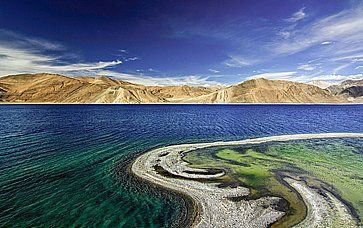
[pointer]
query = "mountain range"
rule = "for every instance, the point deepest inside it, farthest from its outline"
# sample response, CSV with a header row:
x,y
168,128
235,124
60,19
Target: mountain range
x,y
55,88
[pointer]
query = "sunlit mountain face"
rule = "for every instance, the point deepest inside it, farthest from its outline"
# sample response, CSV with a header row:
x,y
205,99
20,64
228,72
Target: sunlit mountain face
x,y
178,42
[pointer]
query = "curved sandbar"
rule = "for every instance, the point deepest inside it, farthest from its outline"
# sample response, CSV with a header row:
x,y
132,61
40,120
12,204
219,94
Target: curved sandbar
x,y
216,209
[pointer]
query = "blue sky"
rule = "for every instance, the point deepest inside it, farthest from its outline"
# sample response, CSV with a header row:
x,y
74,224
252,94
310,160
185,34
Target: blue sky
x,y
184,42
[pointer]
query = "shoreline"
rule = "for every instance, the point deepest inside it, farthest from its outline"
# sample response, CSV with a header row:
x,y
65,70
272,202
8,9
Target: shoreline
x,y
212,199
192,209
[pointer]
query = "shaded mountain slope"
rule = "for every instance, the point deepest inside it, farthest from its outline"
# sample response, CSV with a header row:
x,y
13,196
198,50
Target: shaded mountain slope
x,y
339,88
351,90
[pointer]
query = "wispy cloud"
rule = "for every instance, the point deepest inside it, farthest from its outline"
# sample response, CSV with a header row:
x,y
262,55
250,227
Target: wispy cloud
x,y
294,76
342,28
274,75
326,42
214,71
17,39
191,80
308,67
14,60
335,77
285,42
341,67
353,57
21,54
152,70
131,59
27,55
238,61
297,16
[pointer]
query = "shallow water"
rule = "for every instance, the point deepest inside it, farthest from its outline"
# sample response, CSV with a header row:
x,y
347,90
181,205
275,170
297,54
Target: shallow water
x,y
335,165
64,165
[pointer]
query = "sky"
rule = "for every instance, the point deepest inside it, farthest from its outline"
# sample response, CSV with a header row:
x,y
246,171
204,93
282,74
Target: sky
x,y
184,42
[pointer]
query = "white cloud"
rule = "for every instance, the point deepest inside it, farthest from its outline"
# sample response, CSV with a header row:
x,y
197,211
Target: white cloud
x,y
307,67
15,60
341,67
293,76
336,77
297,16
284,34
163,81
27,56
131,59
274,75
326,43
152,70
214,71
358,67
20,54
20,40
238,61
344,28
353,58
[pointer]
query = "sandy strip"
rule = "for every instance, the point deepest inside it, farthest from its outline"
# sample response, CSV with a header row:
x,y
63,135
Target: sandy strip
x,y
215,207
325,211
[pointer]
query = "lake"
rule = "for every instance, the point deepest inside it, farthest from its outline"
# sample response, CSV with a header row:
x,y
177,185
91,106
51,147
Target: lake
x,y
66,165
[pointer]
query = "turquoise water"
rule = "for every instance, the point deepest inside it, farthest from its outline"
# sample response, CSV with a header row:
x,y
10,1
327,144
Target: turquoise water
x,y
65,165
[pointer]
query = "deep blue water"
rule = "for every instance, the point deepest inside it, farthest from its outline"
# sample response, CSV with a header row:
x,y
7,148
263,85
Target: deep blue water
x,y
63,165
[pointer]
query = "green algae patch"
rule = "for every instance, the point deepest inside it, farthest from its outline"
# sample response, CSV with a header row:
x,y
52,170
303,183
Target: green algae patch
x,y
255,171
333,164
252,173
258,174
338,165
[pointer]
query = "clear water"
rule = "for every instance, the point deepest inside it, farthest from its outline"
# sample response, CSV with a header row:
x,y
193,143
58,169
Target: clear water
x,y
65,165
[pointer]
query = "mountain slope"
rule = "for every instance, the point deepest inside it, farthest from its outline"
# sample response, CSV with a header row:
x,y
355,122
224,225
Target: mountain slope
x,y
351,90
53,88
337,89
268,91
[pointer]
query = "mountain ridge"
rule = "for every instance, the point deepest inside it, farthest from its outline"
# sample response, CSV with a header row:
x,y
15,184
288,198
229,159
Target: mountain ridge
x,y
56,88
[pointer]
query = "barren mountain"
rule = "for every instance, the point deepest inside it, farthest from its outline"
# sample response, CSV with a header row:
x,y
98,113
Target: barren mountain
x,y
336,89
350,89
53,88
270,91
